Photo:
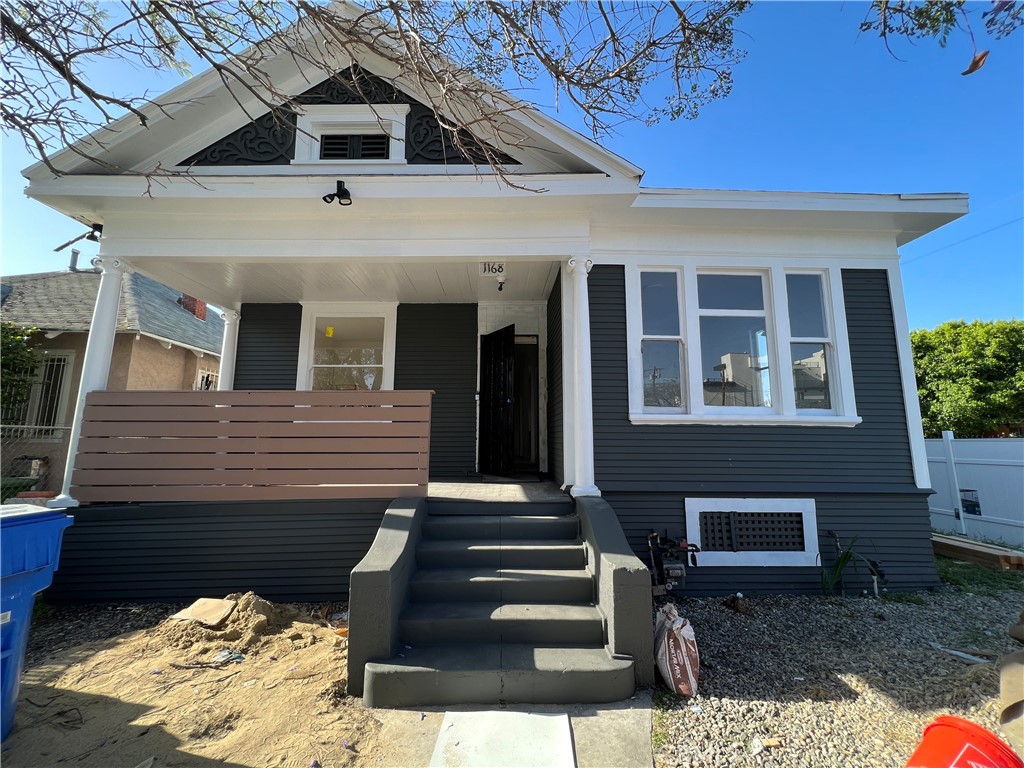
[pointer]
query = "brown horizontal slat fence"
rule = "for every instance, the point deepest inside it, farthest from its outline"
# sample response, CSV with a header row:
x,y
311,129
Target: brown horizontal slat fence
x,y
250,446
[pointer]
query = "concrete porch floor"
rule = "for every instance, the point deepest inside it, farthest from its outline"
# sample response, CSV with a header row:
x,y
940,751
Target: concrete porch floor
x,y
543,491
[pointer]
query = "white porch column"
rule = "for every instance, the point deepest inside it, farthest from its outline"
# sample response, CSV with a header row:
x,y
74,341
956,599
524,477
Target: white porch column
x,y
99,348
582,395
226,376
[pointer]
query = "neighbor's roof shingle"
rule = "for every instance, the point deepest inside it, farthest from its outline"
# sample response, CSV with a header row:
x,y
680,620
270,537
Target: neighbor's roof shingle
x,y
64,301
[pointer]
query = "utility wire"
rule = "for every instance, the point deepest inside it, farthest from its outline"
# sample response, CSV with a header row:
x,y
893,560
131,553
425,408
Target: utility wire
x,y
958,242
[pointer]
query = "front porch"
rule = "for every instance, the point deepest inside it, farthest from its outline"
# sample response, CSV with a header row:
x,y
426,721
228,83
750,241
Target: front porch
x,y
507,364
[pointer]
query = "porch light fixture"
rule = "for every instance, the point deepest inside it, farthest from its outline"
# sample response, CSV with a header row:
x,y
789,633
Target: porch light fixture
x,y
93,236
342,195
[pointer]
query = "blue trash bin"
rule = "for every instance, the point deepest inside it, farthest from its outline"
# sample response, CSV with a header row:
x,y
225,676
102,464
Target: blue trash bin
x,y
30,539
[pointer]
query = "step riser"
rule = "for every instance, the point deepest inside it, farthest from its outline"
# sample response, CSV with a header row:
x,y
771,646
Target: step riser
x,y
547,591
541,559
465,631
502,528
423,687
436,507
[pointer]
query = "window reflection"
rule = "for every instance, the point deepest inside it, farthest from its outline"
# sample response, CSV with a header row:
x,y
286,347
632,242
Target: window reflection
x,y
810,376
734,361
662,379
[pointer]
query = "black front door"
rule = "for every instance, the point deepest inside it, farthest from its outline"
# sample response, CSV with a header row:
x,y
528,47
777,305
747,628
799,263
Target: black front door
x,y
497,426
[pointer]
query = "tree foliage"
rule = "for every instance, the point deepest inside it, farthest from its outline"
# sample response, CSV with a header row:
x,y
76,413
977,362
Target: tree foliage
x,y
970,377
19,360
614,60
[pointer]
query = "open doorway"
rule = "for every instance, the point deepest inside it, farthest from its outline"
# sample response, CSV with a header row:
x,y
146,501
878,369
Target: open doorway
x,y
509,404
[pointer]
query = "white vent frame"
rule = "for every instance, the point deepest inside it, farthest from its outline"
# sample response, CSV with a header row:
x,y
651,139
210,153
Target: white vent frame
x,y
810,556
332,119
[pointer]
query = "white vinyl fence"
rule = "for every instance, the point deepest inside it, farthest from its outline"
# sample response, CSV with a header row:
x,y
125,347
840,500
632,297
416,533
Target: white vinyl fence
x,y
979,487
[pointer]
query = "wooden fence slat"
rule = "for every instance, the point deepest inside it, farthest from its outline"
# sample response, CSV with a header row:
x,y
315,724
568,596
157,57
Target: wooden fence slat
x,y
248,445
201,461
236,413
144,398
255,429
238,446
132,494
245,476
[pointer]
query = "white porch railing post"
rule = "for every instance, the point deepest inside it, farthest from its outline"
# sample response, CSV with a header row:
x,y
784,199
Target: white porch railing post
x,y
954,480
582,396
226,375
99,348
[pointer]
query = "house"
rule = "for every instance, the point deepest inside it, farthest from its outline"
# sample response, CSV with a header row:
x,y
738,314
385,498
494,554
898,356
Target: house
x,y
732,367
164,340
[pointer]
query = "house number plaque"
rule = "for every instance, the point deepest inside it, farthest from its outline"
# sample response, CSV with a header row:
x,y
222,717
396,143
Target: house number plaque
x,y
492,268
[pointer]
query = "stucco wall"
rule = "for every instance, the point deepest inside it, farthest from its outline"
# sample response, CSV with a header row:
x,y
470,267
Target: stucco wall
x,y
137,362
151,366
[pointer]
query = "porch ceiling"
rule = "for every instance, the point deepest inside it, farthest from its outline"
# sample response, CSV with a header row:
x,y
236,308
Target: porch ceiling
x,y
232,283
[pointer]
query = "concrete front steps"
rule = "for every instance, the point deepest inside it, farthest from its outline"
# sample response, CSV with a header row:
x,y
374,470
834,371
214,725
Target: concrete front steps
x,y
500,610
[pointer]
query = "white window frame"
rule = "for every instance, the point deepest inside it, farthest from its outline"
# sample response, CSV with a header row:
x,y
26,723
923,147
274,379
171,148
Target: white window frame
x,y
827,341
313,310
681,338
808,558
783,410
771,339
333,119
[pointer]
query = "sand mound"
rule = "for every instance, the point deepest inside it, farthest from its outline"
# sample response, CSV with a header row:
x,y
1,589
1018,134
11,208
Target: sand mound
x,y
134,697
253,622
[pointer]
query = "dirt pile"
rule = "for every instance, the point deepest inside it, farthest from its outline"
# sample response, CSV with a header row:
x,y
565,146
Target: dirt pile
x,y
278,699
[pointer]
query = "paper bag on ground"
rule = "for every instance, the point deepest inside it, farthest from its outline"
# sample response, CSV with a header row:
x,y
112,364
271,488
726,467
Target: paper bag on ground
x,y
675,650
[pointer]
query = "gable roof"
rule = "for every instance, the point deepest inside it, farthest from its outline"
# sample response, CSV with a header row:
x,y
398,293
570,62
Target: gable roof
x,y
64,301
203,109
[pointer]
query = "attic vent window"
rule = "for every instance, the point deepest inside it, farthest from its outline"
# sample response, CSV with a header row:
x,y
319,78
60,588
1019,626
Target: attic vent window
x,y
351,134
354,146
753,532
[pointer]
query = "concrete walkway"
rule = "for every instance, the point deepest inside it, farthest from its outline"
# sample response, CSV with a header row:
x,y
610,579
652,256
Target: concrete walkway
x,y
616,735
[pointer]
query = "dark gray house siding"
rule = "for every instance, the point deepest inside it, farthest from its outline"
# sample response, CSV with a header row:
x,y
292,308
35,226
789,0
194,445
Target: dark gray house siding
x,y
282,550
862,477
267,355
436,348
556,450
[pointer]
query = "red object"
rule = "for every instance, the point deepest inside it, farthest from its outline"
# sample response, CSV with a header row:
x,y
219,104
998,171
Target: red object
x,y
951,742
36,495
196,306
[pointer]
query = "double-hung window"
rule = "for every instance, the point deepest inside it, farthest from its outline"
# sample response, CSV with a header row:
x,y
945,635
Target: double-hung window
x,y
347,346
738,346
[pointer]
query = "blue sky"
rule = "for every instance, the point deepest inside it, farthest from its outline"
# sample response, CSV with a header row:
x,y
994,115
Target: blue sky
x,y
816,106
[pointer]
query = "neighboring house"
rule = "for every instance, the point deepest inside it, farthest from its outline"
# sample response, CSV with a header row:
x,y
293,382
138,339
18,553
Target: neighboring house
x,y
165,340
732,366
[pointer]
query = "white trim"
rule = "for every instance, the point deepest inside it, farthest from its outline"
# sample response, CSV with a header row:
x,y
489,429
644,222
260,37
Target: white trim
x,y
667,197
754,419
568,384
776,313
311,310
912,407
580,398
808,558
168,343
315,121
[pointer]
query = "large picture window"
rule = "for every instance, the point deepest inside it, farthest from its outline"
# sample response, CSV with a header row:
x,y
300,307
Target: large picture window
x,y
738,346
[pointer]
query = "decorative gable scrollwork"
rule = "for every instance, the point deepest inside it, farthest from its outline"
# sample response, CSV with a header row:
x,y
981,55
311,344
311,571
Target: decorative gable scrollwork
x,y
270,138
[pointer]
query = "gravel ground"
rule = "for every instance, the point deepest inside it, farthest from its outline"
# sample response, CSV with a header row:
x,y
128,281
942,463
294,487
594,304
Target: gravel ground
x,y
837,681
